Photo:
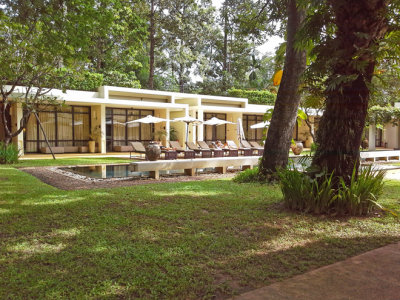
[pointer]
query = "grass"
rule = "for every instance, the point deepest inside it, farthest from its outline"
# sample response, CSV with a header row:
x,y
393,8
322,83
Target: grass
x,y
200,239
70,161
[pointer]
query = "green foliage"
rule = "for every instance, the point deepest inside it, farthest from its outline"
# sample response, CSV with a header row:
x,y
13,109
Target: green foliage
x,y
314,147
9,154
359,197
249,175
117,78
176,226
255,97
173,134
327,194
300,192
381,115
86,81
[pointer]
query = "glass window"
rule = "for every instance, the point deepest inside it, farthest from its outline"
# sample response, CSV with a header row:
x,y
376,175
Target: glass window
x,y
63,125
119,127
133,129
213,133
48,121
81,127
120,133
250,133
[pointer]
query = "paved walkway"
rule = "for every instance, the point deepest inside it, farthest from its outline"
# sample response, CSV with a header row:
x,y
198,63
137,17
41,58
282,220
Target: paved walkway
x,y
374,275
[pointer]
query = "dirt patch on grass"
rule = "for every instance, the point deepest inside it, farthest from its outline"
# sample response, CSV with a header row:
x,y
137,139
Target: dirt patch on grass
x,y
61,180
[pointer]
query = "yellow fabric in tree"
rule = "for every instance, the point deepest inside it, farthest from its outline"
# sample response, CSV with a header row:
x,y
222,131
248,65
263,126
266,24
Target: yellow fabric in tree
x,y
277,77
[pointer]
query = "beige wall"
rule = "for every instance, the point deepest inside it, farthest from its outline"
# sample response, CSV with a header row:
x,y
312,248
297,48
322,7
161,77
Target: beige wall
x,y
98,119
391,136
180,127
231,129
304,134
160,113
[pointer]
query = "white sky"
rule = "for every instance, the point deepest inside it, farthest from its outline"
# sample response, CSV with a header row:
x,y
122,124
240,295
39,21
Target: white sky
x,y
269,45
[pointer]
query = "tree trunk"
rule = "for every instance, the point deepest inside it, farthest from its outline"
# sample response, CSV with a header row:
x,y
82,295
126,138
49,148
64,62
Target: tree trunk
x,y
5,115
152,46
276,149
181,80
360,26
225,46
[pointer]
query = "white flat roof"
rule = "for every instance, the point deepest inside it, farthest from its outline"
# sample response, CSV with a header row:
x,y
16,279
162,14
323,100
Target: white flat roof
x,y
168,94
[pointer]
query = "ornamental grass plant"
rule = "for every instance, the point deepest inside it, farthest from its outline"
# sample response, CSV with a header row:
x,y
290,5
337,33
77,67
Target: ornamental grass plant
x,y
9,154
326,194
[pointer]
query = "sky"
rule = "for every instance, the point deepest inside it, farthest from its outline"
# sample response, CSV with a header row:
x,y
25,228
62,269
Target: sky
x,y
269,46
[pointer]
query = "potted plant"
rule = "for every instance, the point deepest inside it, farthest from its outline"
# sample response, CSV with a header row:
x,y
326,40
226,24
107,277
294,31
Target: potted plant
x,y
159,135
95,134
297,147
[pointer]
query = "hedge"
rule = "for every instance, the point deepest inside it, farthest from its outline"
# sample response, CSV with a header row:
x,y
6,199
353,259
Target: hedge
x,y
255,97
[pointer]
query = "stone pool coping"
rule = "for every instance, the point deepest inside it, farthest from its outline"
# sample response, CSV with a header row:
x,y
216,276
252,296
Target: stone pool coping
x,y
66,180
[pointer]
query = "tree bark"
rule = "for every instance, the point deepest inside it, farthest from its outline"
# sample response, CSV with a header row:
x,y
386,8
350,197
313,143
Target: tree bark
x,y
360,26
277,145
152,46
181,80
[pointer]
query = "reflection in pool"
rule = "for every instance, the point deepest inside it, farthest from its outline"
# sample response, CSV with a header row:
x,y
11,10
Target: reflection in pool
x,y
116,171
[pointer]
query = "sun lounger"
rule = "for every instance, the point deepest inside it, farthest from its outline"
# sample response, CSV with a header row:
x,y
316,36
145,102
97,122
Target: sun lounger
x,y
204,146
246,144
137,147
204,152
258,147
179,149
245,151
228,151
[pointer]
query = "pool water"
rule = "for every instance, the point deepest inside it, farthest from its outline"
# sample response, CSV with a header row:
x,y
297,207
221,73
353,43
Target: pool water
x,y
117,171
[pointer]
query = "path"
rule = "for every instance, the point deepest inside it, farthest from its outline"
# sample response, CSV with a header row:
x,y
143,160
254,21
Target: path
x,y
373,275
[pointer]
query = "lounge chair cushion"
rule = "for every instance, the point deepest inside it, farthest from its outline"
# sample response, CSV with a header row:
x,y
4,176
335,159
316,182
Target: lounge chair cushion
x,y
55,149
122,148
138,147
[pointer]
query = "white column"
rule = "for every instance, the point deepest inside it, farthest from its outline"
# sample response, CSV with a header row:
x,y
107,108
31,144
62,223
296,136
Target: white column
x,y
371,137
167,125
200,128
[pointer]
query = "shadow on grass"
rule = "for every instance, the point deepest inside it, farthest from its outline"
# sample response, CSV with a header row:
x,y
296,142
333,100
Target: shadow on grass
x,y
183,240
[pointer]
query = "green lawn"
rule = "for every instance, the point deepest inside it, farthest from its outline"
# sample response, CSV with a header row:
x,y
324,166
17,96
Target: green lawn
x,y
70,161
200,239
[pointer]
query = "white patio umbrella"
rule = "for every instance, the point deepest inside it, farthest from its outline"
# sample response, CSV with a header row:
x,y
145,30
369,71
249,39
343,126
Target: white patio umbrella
x,y
215,121
240,130
187,120
260,125
148,120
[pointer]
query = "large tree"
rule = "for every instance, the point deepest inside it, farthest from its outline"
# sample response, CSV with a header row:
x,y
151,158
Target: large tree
x,y
277,144
350,57
37,43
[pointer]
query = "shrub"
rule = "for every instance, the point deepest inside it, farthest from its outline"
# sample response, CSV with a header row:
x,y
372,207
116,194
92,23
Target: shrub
x,y
255,97
8,154
329,194
361,195
249,175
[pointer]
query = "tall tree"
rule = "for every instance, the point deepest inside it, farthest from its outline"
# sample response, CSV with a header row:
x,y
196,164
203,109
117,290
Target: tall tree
x,y
37,40
155,18
277,144
187,27
117,34
352,56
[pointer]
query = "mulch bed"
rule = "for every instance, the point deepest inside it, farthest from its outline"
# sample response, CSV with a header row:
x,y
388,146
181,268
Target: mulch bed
x,y
69,181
